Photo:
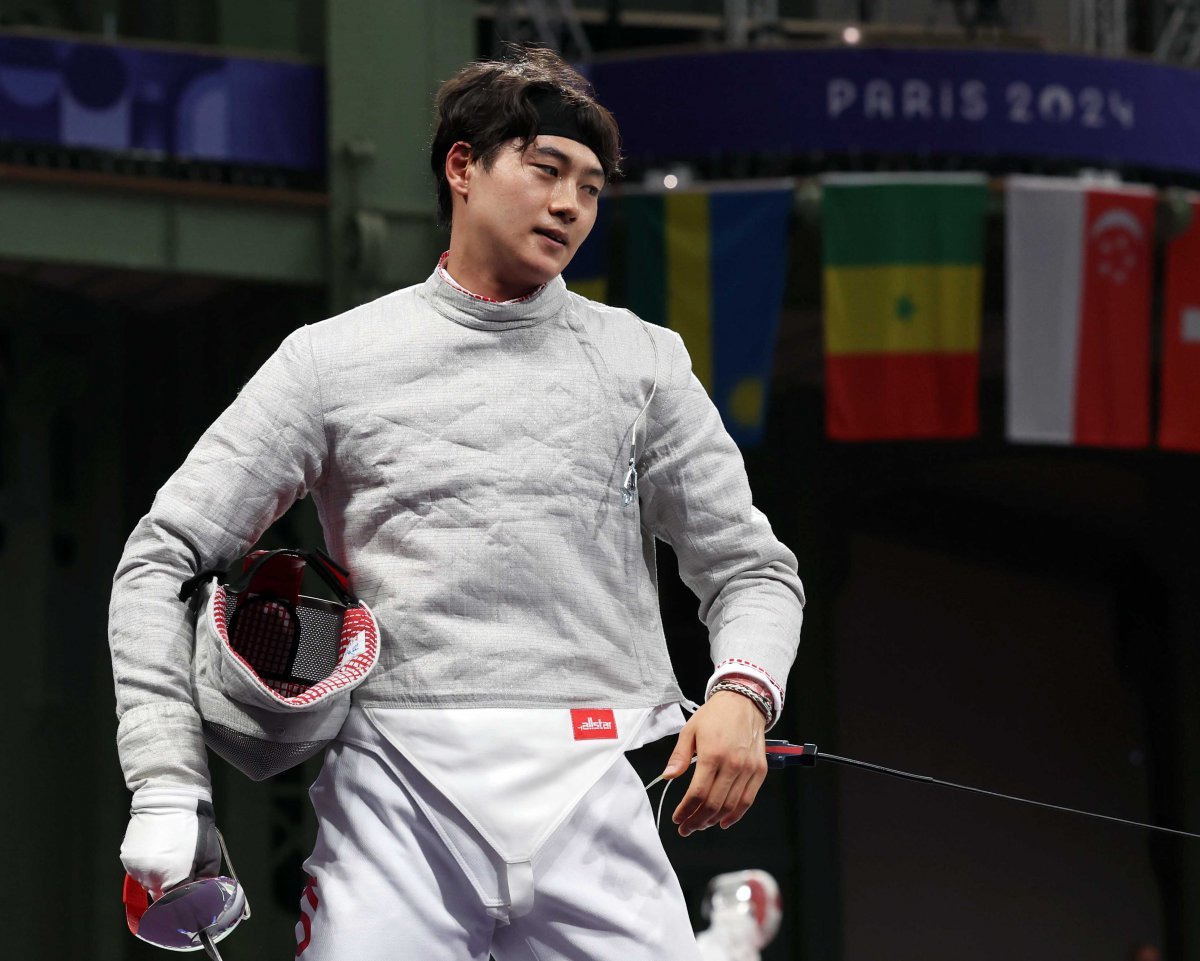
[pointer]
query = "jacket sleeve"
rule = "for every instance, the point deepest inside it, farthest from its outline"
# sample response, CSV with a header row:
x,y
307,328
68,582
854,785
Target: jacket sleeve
x,y
696,497
262,454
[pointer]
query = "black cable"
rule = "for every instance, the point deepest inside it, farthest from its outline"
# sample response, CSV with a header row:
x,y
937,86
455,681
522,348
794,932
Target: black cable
x,y
905,775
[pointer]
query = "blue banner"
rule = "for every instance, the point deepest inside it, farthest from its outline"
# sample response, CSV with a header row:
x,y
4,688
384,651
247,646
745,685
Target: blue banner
x,y
749,236
1091,110
179,105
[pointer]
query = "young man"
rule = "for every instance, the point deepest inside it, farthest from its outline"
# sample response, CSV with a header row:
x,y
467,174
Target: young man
x,y
492,458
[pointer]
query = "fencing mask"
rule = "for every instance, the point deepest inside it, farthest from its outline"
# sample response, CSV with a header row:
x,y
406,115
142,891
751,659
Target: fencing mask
x,y
273,669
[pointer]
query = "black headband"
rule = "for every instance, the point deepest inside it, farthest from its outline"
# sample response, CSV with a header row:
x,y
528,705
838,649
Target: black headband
x,y
558,118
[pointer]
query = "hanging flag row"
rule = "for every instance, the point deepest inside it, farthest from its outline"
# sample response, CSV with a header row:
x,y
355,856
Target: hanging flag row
x,y
903,288
711,265
903,302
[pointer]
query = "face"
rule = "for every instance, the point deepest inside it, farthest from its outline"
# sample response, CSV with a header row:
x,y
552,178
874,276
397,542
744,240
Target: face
x,y
517,225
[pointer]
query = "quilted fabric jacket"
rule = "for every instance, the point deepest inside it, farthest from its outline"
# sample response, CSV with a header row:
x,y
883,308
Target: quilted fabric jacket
x,y
466,459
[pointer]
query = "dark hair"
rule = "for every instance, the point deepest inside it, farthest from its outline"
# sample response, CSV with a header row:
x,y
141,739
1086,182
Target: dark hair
x,y
488,103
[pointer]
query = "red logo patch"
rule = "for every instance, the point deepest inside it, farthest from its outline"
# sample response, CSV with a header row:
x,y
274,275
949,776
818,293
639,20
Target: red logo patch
x,y
593,723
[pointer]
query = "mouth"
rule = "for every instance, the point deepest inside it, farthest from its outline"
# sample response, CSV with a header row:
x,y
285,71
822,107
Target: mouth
x,y
558,236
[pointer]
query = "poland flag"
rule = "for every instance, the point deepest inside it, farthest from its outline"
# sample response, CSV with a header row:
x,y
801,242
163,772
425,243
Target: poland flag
x,y
1079,276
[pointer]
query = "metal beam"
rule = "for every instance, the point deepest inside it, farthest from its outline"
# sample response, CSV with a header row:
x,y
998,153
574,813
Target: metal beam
x,y
554,23
384,62
1098,26
66,221
1179,41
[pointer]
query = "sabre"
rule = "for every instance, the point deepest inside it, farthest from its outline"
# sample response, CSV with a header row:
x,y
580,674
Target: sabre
x,y
191,917
781,754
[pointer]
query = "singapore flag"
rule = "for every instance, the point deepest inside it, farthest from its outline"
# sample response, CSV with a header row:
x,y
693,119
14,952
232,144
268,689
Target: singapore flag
x,y
1078,313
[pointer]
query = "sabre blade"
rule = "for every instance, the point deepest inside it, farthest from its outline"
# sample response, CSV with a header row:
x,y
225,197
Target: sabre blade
x,y
209,948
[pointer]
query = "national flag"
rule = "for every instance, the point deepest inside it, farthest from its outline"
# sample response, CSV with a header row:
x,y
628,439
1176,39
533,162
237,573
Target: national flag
x,y
1079,276
711,265
1179,410
903,291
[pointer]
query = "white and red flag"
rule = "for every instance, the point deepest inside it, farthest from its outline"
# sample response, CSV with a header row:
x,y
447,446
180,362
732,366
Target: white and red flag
x,y
1179,412
1079,280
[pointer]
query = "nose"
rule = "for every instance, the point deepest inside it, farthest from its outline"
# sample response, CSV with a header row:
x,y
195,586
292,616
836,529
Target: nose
x,y
564,202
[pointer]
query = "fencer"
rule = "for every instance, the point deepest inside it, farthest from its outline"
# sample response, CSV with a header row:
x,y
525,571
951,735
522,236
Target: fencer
x,y
492,458
744,911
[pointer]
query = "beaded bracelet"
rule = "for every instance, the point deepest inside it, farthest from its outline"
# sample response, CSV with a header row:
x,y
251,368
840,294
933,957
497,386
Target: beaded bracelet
x,y
762,703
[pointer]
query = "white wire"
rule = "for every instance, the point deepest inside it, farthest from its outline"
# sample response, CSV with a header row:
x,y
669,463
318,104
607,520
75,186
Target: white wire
x,y
653,383
662,800
629,484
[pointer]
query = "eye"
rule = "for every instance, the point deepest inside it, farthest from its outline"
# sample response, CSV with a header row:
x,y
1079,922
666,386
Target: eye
x,y
547,169
593,191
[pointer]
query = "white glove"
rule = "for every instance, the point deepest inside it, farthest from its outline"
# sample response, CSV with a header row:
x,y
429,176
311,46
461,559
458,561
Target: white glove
x,y
171,838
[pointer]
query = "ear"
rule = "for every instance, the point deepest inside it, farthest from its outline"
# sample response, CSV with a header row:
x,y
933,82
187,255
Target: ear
x,y
460,164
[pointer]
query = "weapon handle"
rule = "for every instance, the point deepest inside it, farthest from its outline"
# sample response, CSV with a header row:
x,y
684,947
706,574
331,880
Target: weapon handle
x,y
781,754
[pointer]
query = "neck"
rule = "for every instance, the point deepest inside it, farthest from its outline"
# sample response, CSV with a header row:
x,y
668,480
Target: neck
x,y
476,276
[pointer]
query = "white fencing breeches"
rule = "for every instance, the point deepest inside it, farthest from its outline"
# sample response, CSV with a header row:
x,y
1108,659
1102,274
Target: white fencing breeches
x,y
384,885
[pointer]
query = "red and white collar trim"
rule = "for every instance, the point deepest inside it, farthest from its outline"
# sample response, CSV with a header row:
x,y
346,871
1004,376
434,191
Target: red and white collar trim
x,y
445,275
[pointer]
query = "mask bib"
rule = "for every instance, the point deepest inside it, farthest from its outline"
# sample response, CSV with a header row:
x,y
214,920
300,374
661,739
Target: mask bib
x,y
516,773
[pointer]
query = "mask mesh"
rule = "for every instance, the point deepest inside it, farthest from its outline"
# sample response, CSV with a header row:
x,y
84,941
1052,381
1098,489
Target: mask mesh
x,y
257,759
290,649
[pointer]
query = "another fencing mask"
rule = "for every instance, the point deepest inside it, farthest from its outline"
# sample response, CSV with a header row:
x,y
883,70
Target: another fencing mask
x,y
744,906
273,669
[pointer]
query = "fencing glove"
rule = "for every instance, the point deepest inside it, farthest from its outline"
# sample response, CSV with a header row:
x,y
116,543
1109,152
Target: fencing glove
x,y
171,838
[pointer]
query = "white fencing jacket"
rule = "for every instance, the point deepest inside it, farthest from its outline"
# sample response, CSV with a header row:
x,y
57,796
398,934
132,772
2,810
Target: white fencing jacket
x,y
466,459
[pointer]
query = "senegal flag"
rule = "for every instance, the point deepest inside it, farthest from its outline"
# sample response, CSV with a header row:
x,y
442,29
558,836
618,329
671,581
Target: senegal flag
x,y
711,264
903,290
